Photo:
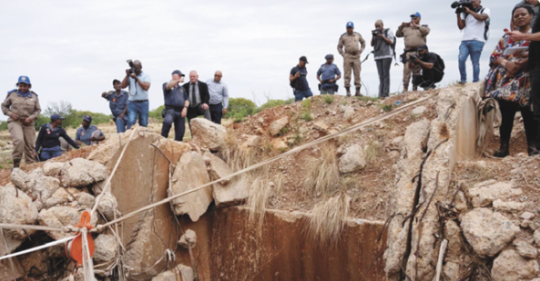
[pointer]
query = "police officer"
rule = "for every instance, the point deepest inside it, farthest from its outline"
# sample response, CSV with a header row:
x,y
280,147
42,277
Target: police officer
x,y
414,35
328,74
118,101
22,107
348,48
176,106
88,133
49,136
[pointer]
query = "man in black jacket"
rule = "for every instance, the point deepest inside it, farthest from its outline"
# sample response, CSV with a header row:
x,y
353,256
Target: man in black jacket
x,y
198,97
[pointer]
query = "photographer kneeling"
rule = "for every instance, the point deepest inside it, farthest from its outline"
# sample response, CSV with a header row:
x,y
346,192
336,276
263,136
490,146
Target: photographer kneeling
x,y
432,68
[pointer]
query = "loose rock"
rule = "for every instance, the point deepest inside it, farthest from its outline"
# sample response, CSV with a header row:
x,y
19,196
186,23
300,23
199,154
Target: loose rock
x,y
80,172
525,249
484,193
276,126
209,134
418,111
353,159
106,248
180,272
16,208
59,217
509,265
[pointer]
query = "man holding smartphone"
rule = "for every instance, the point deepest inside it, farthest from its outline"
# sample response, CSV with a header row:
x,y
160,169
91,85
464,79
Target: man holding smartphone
x,y
176,106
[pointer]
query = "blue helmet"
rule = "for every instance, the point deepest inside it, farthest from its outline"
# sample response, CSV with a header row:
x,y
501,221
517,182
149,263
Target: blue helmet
x,y
350,24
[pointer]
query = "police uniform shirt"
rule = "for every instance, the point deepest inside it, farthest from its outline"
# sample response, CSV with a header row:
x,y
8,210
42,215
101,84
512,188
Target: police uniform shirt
x,y
49,137
301,82
328,72
175,97
85,135
117,103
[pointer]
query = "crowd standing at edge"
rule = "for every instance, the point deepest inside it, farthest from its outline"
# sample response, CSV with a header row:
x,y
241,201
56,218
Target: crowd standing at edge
x,y
513,81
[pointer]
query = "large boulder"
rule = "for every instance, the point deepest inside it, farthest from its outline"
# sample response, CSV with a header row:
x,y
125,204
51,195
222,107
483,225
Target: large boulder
x,y
488,232
228,191
59,217
509,265
36,184
52,169
275,127
180,272
106,248
191,173
16,208
209,134
483,194
352,160
80,172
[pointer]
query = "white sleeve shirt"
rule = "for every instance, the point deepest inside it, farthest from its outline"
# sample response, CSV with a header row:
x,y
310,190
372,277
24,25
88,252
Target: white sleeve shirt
x,y
474,29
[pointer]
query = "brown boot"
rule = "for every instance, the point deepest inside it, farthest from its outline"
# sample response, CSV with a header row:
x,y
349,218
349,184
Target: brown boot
x,y
348,91
405,88
358,92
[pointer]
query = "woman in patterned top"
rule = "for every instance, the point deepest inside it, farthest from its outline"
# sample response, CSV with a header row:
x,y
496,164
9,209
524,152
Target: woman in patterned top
x,y
508,82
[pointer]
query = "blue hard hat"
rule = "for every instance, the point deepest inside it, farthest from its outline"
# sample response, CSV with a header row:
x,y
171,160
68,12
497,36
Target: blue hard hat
x,y
416,15
350,24
24,79
55,117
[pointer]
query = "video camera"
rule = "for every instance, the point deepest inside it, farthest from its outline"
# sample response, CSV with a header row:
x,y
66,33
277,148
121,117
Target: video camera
x,y
132,68
376,32
412,58
460,6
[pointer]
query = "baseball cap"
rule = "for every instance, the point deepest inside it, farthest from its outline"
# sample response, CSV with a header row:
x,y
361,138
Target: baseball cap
x,y
422,47
178,72
416,15
88,118
55,117
303,58
24,79
350,24
329,57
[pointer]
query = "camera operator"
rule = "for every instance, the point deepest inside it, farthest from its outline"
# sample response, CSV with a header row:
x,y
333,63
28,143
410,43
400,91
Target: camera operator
x,y
383,41
298,80
328,74
535,4
432,68
474,23
413,35
138,83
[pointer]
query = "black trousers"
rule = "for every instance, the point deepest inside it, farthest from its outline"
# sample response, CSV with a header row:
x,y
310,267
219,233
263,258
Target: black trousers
x,y
428,78
173,116
508,112
383,67
216,112
535,97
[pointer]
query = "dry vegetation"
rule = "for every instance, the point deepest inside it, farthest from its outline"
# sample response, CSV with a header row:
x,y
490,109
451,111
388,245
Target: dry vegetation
x,y
327,219
323,173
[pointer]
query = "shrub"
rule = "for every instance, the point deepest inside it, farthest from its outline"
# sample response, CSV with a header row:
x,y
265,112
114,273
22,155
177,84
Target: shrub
x,y
328,99
387,108
156,113
239,108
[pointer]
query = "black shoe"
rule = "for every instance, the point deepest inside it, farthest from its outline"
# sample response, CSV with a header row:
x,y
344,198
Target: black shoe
x,y
503,151
348,91
358,92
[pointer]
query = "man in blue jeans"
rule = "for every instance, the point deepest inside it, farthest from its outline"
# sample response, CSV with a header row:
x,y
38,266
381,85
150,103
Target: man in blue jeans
x,y
299,82
138,83
474,24
118,101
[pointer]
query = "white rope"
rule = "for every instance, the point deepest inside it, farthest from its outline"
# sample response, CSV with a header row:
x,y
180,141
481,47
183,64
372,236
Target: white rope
x,y
88,266
7,250
30,226
50,244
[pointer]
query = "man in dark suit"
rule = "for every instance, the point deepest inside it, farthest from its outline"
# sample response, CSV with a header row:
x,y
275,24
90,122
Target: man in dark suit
x,y
198,97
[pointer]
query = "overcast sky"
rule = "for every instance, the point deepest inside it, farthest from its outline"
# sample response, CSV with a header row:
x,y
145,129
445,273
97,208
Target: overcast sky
x,y
72,50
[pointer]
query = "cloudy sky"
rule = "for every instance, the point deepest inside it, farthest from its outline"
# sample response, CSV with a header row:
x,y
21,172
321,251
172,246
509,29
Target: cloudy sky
x,y
72,50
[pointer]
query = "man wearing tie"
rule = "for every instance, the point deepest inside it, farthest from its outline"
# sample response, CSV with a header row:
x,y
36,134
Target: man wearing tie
x,y
198,97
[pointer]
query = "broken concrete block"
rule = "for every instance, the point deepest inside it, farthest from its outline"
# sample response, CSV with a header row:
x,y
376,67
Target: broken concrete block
x,y
352,160
209,134
418,111
59,217
61,196
180,272
487,232
228,191
511,206
191,173
106,248
35,183
275,128
71,195
80,172
484,193
525,249
509,265
16,208
108,206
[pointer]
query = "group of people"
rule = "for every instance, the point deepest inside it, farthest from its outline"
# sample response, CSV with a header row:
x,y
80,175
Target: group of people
x,y
513,80
423,67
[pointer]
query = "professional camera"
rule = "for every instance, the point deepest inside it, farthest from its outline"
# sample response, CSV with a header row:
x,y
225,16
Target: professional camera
x,y
460,5
413,58
376,32
132,68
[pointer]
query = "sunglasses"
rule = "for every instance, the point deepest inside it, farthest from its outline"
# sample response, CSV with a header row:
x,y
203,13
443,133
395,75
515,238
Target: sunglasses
x,y
217,75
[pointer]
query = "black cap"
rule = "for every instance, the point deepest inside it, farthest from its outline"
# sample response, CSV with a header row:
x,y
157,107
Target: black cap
x,y
88,118
422,47
178,72
116,81
55,117
304,59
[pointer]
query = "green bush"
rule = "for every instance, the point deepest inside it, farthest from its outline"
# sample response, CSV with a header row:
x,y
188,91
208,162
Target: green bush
x,y
239,108
3,125
156,113
328,99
